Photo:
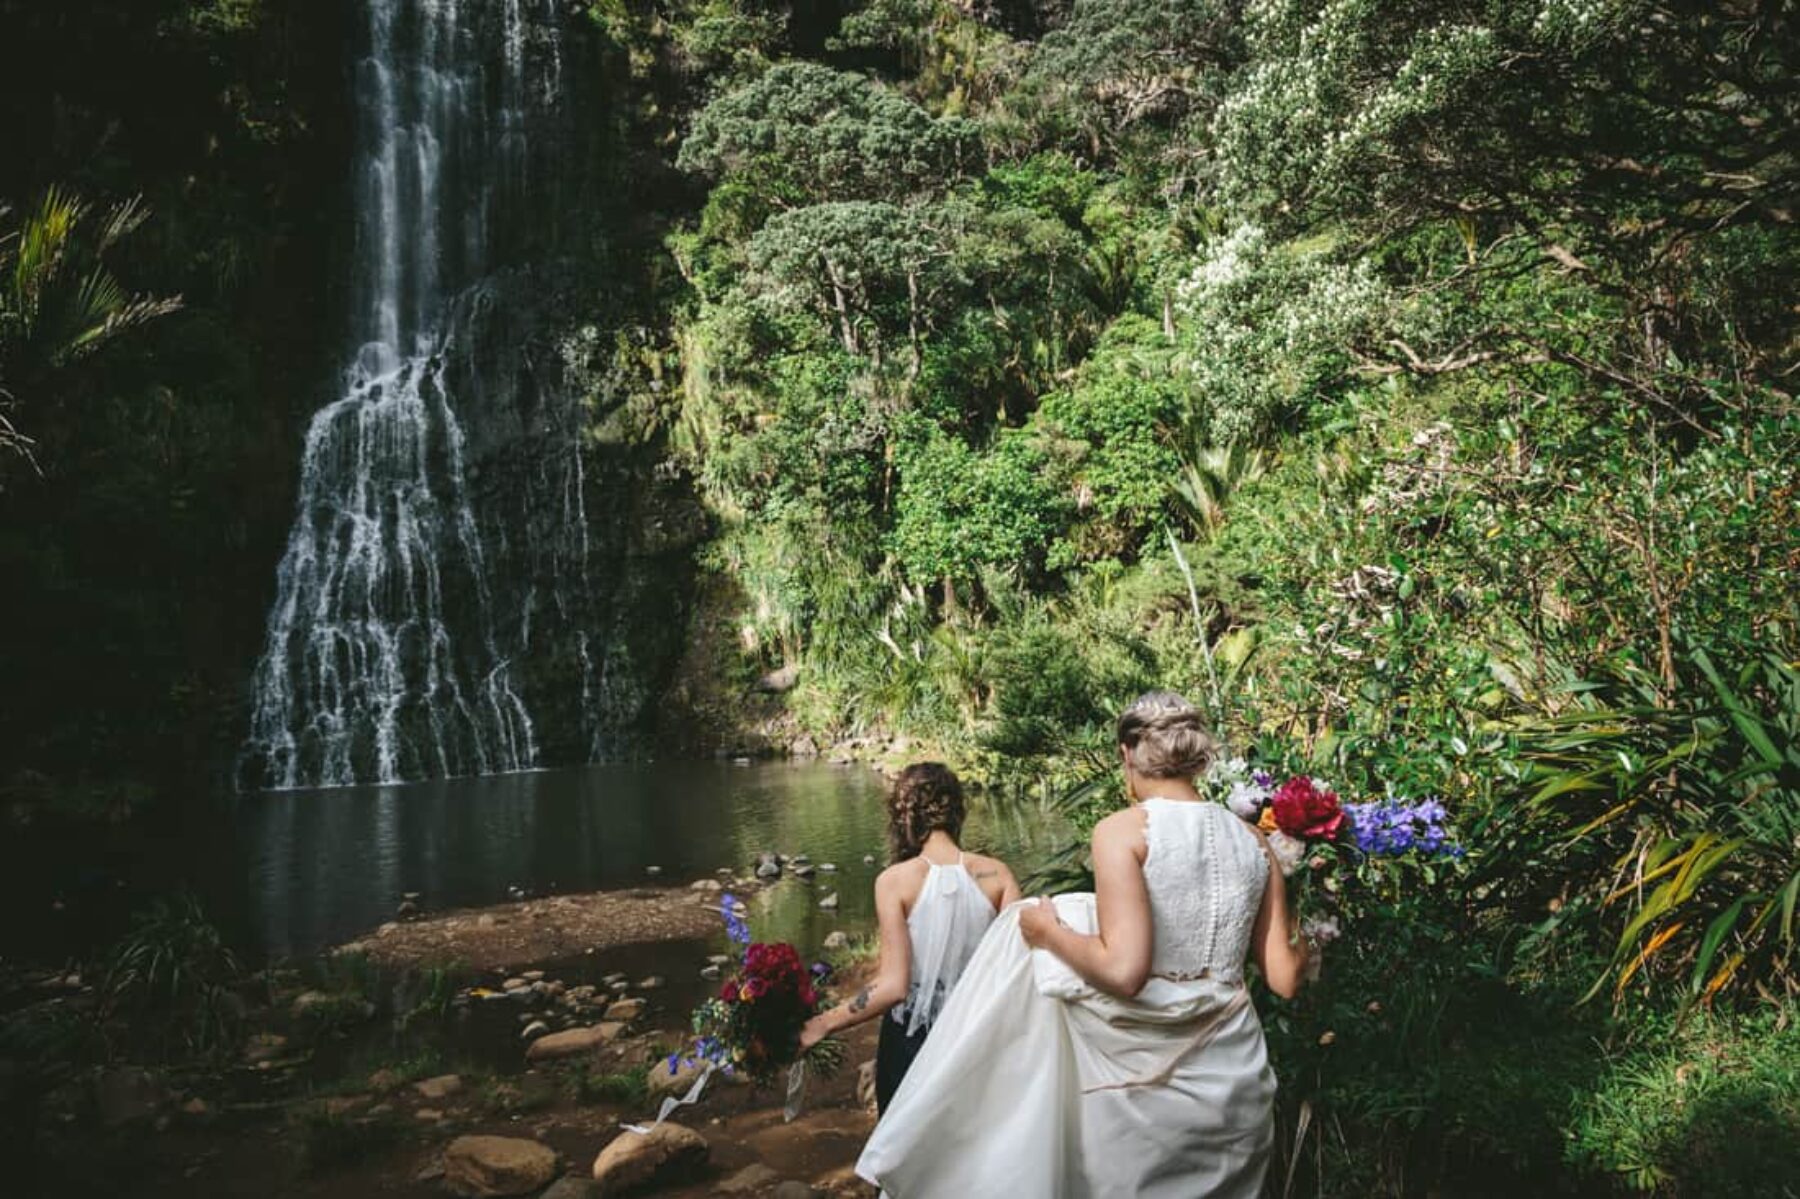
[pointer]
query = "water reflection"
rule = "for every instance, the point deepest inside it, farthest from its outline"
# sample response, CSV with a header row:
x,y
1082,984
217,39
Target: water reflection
x,y
325,866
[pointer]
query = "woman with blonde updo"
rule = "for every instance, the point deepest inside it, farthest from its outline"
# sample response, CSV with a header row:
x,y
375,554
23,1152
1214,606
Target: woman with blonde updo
x,y
933,905
1104,1044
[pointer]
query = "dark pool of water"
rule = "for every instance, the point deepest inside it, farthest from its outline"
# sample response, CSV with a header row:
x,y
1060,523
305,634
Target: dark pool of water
x,y
321,867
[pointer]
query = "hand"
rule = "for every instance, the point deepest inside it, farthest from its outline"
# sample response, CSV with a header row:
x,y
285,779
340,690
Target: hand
x,y
814,1031
1036,920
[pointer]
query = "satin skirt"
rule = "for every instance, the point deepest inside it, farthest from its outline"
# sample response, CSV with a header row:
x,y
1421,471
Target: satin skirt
x,y
1032,1084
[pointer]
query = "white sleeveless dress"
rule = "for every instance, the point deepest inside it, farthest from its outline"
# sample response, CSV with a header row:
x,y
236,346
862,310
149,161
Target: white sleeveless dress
x,y
1035,1084
945,926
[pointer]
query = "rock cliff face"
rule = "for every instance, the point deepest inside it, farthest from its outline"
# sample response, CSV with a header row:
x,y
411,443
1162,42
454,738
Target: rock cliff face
x,y
472,584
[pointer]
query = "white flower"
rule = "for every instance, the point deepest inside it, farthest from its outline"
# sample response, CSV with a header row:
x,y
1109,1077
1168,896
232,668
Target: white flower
x,y
1320,930
1245,799
1288,851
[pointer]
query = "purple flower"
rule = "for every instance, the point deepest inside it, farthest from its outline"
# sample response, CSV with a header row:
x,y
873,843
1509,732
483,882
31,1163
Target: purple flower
x,y
1392,827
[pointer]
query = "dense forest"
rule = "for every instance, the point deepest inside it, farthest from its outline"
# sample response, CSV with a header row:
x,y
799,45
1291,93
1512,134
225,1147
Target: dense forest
x,y
1409,383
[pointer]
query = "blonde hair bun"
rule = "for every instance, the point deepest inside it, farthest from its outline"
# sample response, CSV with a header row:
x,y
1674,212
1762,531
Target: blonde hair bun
x,y
1166,736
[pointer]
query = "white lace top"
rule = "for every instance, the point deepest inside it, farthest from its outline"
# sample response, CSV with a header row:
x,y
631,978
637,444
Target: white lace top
x,y
1206,873
945,925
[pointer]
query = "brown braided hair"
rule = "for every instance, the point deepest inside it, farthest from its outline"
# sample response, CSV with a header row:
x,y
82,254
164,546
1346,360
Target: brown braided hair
x,y
926,797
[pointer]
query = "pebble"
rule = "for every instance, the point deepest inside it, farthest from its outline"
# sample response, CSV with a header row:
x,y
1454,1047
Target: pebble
x,y
533,976
710,972
828,867
653,870
837,940
717,959
654,982
830,902
535,1029
868,859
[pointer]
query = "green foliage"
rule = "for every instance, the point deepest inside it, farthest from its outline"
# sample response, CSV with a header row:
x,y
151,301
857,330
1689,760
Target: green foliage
x,y
1709,1109
628,1089
803,132
172,978
324,1140
59,300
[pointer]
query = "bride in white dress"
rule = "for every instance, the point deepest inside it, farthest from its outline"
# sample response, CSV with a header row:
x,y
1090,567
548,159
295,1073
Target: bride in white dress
x,y
1104,1045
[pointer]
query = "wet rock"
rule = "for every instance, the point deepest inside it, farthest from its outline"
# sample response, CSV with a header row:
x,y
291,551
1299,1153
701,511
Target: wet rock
x,y
710,973
768,865
653,983
828,867
633,1159
748,1181
571,1043
478,1167
804,870
408,910
830,902
620,987
625,1010
441,1087
837,941
803,747
532,1031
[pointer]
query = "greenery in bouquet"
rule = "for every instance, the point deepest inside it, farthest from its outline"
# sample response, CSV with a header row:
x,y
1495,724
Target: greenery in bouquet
x,y
752,1026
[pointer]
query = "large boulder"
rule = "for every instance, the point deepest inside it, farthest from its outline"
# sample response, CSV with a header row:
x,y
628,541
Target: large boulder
x,y
572,1042
480,1167
634,1158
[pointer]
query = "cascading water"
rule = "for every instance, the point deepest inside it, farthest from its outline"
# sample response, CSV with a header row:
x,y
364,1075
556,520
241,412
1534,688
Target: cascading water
x,y
385,656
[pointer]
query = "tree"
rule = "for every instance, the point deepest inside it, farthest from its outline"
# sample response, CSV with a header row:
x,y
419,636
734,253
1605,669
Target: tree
x,y
59,302
804,133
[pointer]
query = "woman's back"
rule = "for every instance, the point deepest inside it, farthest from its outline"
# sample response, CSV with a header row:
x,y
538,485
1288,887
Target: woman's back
x,y
1206,873
952,906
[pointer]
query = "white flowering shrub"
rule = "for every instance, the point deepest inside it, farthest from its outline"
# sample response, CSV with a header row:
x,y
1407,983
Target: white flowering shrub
x,y
1267,326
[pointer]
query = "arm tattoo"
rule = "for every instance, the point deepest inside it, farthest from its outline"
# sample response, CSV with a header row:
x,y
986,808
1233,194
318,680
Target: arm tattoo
x,y
987,874
861,1001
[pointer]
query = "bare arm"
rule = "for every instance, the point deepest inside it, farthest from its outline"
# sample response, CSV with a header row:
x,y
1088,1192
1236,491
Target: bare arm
x,y
1117,959
1279,953
893,973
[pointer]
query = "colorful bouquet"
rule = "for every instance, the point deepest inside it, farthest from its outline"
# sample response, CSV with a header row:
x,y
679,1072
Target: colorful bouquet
x,y
753,1025
1307,822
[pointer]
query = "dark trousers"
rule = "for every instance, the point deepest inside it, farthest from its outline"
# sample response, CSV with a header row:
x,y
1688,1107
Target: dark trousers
x,y
894,1057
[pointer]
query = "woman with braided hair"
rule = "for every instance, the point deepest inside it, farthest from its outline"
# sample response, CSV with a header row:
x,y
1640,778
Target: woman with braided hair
x,y
933,905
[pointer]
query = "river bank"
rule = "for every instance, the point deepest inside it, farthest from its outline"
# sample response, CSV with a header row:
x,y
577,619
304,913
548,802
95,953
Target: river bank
x,y
388,1065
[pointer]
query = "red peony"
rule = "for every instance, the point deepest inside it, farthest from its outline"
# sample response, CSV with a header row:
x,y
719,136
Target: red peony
x,y
729,992
1307,809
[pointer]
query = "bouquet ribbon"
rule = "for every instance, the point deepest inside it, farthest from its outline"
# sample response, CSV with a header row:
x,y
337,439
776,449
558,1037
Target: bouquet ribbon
x,y
673,1102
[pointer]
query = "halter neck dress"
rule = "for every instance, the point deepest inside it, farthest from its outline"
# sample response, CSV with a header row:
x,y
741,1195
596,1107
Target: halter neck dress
x,y
945,927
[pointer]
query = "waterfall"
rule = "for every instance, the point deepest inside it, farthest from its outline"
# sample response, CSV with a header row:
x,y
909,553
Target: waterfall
x,y
385,657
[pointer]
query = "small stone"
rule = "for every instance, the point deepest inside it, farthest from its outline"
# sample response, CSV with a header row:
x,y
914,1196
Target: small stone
x,y
830,902
828,867
441,1087
625,1010
533,976
536,1028
197,1108
428,1113
264,1047
792,1189
717,959
620,987
633,1159
516,984
653,870
479,1167
384,1080
412,896
868,859
804,870
837,941
710,972
570,1187
343,1105
750,1179
652,983
485,921
408,910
